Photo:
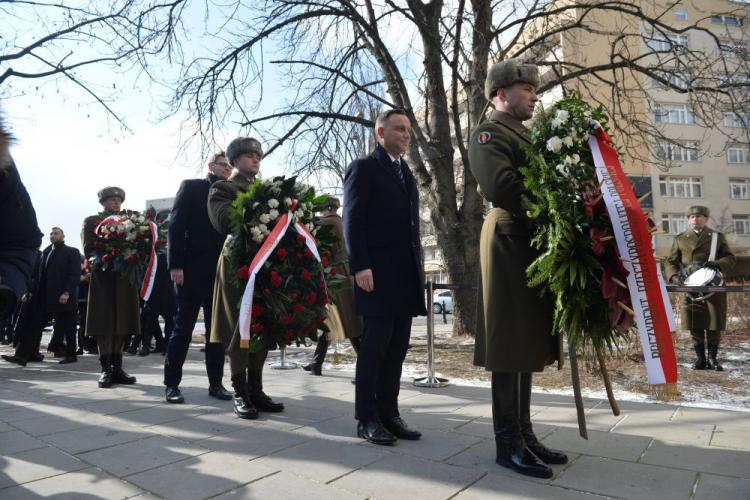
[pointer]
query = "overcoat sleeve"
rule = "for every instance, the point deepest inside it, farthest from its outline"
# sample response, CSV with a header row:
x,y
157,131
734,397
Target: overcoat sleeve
x,y
178,220
492,165
356,200
87,235
220,199
72,272
725,257
674,261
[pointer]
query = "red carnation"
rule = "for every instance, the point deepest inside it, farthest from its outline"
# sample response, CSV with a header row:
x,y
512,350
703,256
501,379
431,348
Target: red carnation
x,y
257,328
115,252
308,253
276,279
311,298
281,254
130,259
298,308
243,272
286,319
325,261
306,275
333,271
300,238
257,310
105,258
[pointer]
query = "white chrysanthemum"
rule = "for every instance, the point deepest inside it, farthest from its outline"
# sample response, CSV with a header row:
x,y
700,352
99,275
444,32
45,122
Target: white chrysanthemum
x,y
273,214
576,159
265,218
568,141
263,228
562,168
258,238
273,203
299,213
562,115
255,231
287,202
554,144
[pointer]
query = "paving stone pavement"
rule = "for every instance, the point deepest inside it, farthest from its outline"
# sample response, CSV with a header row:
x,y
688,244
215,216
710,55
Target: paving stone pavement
x,y
63,437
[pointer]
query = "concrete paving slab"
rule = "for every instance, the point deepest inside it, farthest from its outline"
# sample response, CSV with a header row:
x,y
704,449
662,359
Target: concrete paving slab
x,y
621,479
400,477
253,442
695,458
199,427
200,477
697,434
712,487
284,485
492,487
434,421
133,457
599,444
94,438
341,429
81,485
322,461
731,437
35,464
16,441
434,445
42,426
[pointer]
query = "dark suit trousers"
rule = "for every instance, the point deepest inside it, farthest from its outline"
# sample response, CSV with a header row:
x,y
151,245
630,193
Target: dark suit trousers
x,y
65,327
189,303
381,355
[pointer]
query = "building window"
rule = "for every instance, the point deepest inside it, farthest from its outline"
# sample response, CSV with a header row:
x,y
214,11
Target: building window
x,y
741,224
739,189
733,119
738,154
642,189
728,20
675,78
673,223
681,14
733,49
680,187
661,42
687,151
673,113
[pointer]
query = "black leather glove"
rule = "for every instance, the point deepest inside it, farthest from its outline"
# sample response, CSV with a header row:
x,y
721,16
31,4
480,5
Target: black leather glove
x,y
713,265
675,280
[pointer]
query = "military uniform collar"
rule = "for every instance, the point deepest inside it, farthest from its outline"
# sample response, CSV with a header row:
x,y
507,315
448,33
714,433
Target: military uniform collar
x,y
511,122
240,179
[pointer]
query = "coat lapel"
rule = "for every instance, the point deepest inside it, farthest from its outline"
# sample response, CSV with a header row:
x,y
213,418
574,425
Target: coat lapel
x,y
385,162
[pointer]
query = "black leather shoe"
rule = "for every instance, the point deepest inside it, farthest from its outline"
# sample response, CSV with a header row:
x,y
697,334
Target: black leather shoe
x,y
263,402
173,395
513,454
375,433
79,351
105,379
243,408
120,376
36,358
314,369
546,455
398,428
219,392
144,351
68,360
14,359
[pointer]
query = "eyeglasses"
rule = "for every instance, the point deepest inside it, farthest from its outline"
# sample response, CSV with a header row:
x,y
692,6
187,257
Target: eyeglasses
x,y
222,164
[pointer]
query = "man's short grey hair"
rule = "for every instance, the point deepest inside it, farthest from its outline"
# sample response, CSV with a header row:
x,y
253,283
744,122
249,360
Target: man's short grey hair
x,y
383,117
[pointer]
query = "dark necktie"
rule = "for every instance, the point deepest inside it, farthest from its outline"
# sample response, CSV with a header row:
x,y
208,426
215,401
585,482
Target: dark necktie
x,y
397,167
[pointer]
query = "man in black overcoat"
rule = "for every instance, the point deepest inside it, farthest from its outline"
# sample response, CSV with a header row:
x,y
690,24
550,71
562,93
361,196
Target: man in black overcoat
x,y
20,237
55,296
194,247
381,229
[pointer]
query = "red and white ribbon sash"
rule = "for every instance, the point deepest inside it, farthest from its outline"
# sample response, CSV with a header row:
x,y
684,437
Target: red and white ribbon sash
x,y
647,291
269,245
148,280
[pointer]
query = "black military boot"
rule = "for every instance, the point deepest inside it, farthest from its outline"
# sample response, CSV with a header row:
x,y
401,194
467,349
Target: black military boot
x,y
243,406
119,376
259,398
713,351
105,379
700,354
316,363
545,454
511,448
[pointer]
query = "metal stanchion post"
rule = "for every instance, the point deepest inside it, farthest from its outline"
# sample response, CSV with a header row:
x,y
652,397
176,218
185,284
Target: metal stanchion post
x,y
430,380
283,364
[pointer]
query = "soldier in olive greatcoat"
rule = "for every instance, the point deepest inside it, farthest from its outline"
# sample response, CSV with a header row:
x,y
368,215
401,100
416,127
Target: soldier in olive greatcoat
x,y
244,154
691,250
514,334
113,300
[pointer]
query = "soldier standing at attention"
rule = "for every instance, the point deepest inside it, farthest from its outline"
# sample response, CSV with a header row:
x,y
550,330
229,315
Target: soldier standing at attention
x,y
514,329
700,246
